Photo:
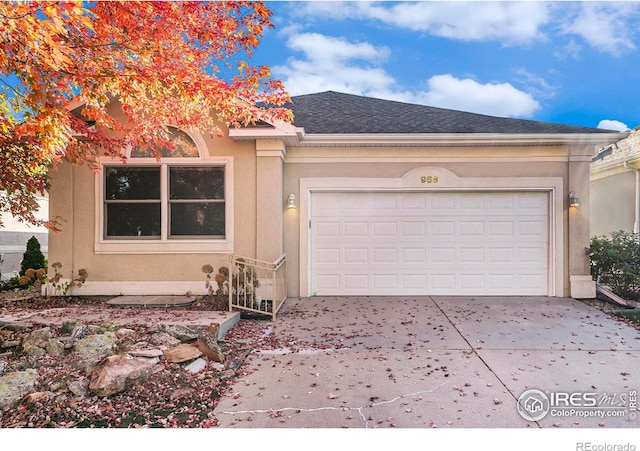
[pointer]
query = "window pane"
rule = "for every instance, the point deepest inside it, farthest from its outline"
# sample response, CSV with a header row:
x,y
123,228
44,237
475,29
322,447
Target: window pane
x,y
133,219
130,183
196,183
197,219
185,147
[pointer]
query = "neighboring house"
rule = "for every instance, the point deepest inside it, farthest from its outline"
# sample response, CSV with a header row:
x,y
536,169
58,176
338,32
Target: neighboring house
x,y
615,187
391,199
14,236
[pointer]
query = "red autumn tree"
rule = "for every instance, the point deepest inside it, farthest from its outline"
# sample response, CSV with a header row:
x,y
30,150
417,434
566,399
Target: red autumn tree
x,y
63,63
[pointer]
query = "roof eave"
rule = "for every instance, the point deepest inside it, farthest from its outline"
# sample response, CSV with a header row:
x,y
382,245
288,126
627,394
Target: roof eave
x,y
443,139
280,130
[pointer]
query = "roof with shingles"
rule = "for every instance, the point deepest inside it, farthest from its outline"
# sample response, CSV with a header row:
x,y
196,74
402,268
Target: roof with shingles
x,y
337,113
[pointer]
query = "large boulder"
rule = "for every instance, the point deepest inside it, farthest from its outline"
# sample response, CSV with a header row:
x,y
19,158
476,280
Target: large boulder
x,y
118,373
15,385
93,348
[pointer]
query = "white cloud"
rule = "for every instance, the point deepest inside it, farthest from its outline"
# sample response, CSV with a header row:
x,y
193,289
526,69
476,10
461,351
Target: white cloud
x,y
322,48
535,84
336,64
609,124
570,50
604,25
466,94
511,22
332,63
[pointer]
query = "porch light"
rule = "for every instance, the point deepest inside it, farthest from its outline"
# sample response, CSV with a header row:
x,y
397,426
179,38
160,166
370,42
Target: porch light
x,y
291,201
574,201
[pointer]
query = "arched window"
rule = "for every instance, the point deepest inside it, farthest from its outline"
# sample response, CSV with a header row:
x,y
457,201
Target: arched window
x,y
185,146
181,197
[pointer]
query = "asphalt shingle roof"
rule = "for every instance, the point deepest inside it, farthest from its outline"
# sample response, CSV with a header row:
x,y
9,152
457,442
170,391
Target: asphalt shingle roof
x,y
336,113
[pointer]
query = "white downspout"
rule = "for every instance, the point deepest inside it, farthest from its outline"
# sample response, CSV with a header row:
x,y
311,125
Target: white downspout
x,y
636,223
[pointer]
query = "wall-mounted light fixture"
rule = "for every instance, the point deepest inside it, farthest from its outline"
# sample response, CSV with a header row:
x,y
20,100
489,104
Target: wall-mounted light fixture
x,y
574,201
291,201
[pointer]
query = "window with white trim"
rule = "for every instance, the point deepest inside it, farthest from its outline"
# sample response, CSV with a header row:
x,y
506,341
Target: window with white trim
x,y
136,197
182,198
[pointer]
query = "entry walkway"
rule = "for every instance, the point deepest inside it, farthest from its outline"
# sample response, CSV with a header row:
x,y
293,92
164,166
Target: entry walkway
x,y
418,362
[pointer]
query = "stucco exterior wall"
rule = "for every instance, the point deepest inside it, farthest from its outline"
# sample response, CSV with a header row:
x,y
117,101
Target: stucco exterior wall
x,y
612,201
74,197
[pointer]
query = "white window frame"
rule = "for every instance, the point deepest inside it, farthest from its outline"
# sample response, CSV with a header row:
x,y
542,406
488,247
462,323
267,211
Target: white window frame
x,y
166,245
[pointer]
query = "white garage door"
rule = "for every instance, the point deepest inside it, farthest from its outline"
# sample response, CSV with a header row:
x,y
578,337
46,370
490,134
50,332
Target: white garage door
x,y
449,243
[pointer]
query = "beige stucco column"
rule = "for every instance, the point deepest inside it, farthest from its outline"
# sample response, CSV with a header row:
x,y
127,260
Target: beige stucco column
x,y
581,284
269,198
61,207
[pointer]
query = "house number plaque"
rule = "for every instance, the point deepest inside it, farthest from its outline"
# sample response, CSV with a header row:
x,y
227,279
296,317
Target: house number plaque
x,y
429,179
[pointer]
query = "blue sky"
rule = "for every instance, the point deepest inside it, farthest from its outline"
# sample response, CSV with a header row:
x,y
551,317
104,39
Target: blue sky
x,y
567,62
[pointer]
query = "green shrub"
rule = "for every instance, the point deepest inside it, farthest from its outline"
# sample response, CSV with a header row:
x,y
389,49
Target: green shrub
x,y
33,258
615,263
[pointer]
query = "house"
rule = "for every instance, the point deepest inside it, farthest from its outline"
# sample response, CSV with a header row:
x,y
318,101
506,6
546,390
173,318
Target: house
x,y
615,187
14,236
387,198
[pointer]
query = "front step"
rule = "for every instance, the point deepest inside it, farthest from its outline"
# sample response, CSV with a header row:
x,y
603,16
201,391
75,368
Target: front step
x,y
152,301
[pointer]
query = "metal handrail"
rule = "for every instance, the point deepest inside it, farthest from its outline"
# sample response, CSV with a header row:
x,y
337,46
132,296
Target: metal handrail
x,y
257,286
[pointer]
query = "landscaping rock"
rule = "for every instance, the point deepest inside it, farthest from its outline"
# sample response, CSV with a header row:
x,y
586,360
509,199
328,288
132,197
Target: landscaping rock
x,y
146,353
79,388
196,366
36,351
182,353
208,344
15,326
118,373
164,339
55,348
15,385
37,338
181,332
79,331
10,344
93,348
123,332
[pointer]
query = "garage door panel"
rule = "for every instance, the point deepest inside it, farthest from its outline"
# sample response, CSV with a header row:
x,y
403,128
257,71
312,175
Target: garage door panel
x,y
430,243
354,229
500,229
327,255
385,255
501,255
384,229
414,255
326,228
440,229
442,255
356,255
413,229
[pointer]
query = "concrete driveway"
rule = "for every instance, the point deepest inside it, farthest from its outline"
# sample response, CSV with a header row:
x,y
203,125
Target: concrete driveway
x,y
419,362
